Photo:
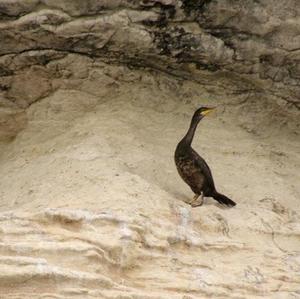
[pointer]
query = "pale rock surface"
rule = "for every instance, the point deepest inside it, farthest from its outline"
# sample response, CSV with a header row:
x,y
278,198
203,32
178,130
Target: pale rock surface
x,y
92,205
95,95
249,48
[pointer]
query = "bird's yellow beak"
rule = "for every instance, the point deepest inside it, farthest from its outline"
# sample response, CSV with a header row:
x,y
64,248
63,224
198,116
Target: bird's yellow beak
x,y
207,111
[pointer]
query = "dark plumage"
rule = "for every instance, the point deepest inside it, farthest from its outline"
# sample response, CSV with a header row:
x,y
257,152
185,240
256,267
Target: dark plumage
x,y
193,169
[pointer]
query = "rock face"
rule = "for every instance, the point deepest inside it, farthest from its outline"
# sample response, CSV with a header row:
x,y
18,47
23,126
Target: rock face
x,y
92,205
95,95
251,48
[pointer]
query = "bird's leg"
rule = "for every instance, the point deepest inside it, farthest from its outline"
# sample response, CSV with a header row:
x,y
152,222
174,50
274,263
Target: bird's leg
x,y
197,203
193,199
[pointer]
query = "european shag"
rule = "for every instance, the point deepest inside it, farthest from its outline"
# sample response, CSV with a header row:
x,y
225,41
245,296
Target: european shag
x,y
193,169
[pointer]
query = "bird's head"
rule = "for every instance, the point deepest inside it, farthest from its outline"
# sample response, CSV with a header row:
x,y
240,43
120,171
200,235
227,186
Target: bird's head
x,y
201,112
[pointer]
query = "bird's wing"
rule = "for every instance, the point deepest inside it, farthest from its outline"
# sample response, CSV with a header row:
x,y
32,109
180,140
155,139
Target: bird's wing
x,y
200,162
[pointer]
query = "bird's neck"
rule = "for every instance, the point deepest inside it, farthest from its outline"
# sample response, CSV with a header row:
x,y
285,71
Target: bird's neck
x,y
189,136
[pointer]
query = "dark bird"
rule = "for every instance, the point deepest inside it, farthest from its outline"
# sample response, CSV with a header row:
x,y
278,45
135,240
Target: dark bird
x,y
193,169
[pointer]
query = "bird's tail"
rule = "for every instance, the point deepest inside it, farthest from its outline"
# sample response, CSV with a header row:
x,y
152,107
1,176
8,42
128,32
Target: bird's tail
x,y
222,199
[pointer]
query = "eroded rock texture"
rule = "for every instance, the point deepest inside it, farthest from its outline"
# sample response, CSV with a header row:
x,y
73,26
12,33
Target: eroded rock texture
x,y
94,96
91,205
245,47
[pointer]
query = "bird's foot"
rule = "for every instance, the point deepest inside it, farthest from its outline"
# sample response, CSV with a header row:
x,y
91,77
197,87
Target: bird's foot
x,y
197,200
193,199
197,203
